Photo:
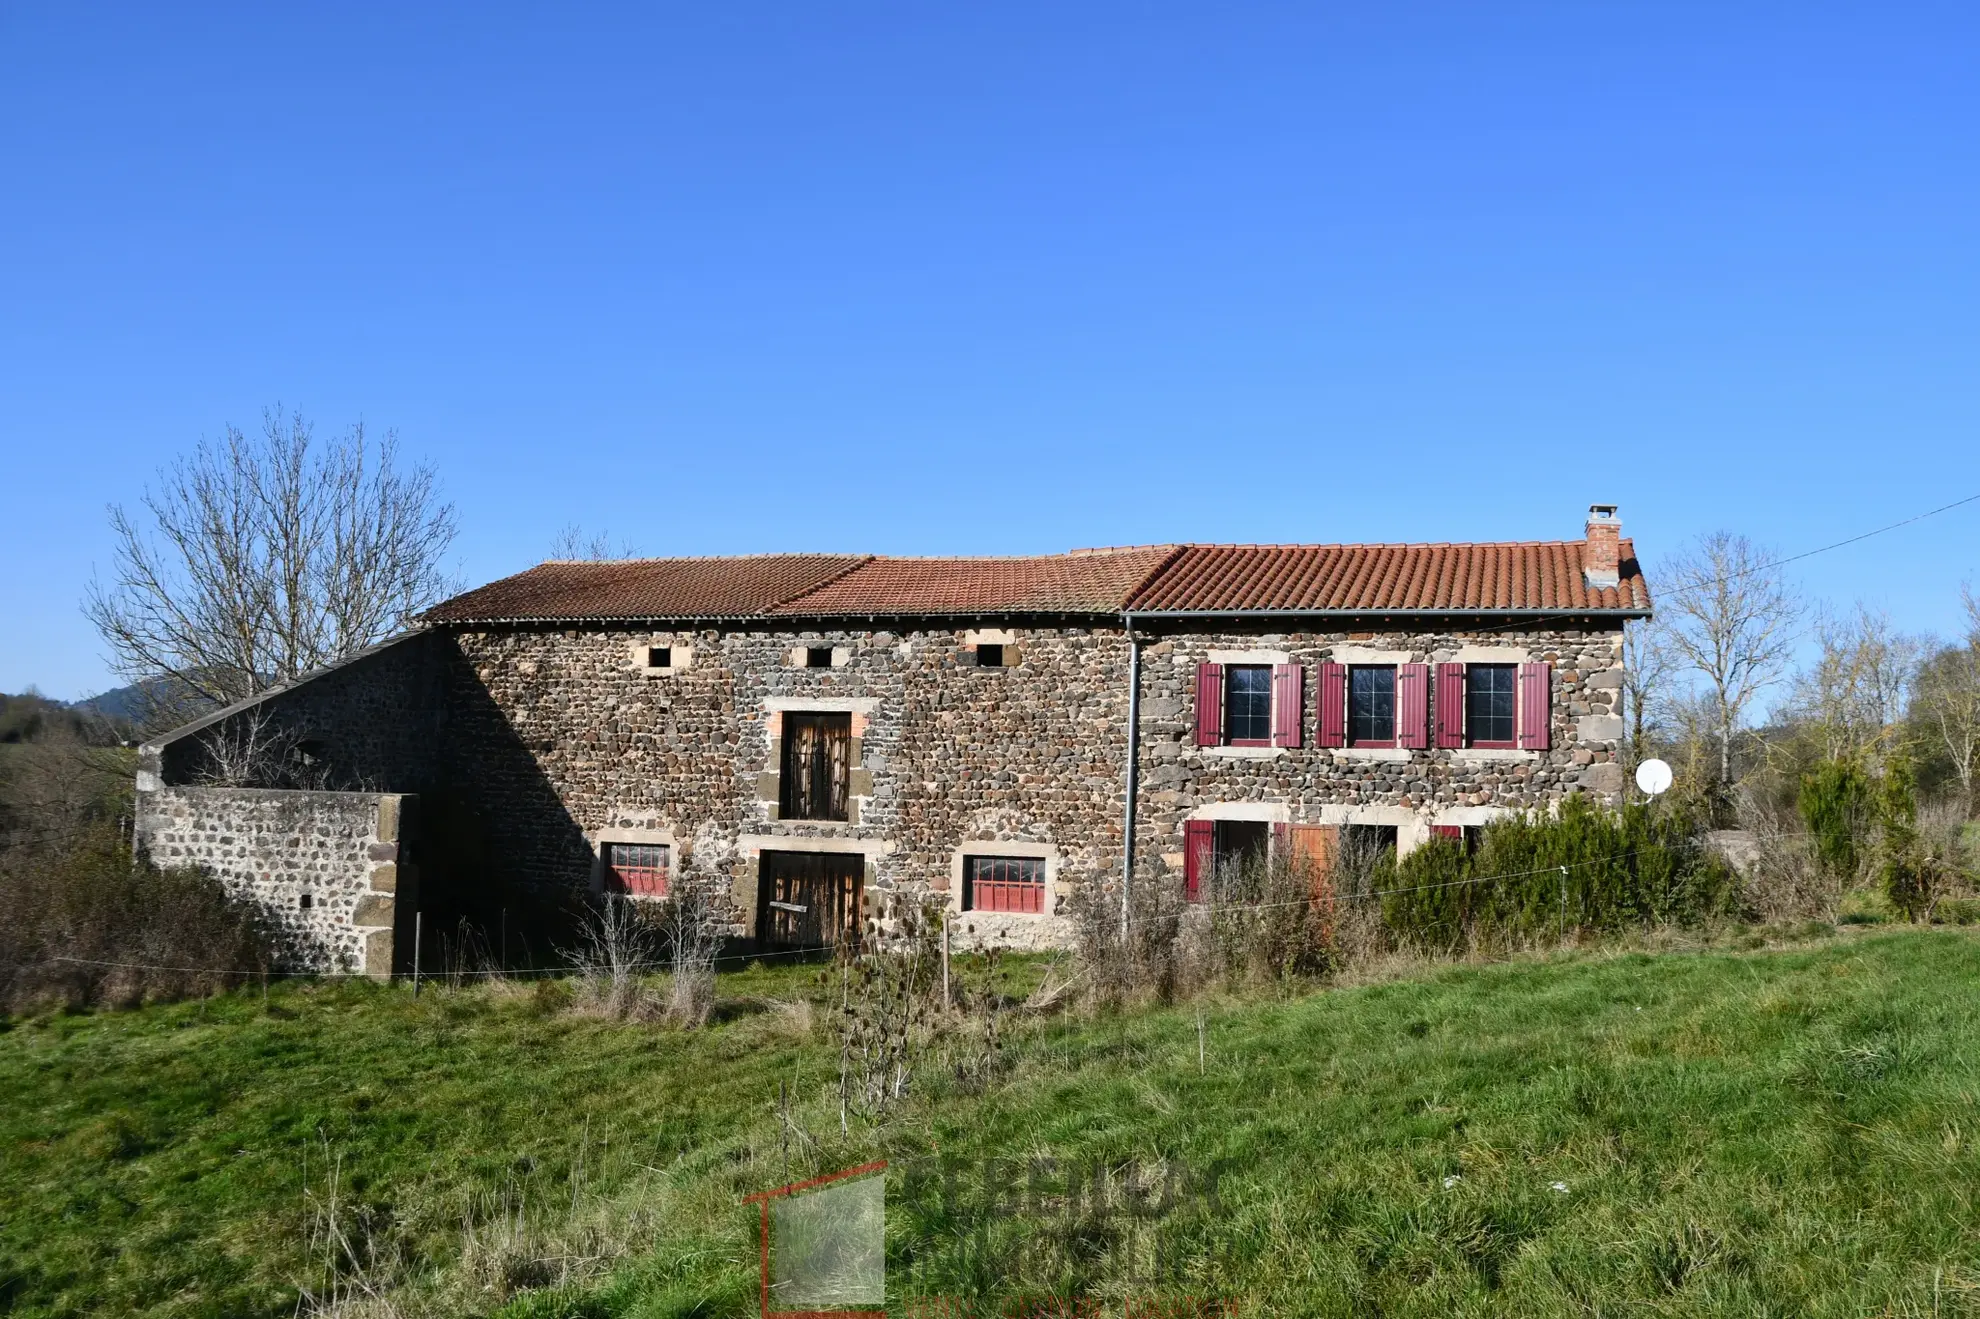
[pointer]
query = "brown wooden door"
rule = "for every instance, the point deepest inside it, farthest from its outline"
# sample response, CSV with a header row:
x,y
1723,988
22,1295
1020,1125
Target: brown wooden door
x,y
817,766
808,899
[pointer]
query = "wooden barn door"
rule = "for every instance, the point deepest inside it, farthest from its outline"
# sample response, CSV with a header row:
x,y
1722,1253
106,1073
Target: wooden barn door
x,y
808,899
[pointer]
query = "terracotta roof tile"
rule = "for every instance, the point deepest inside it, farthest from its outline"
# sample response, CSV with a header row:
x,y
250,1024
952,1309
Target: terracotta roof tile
x,y
564,590
1083,582
1531,575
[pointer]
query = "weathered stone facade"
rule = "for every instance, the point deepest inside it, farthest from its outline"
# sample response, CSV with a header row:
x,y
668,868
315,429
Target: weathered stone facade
x,y
327,868
567,737
1408,789
575,739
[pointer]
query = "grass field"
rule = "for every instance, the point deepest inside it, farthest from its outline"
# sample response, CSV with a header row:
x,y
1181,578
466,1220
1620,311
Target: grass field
x,y
1782,1131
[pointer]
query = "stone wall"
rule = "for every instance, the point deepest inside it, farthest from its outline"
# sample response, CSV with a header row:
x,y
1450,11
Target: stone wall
x,y
556,739
325,867
569,737
373,722
1407,789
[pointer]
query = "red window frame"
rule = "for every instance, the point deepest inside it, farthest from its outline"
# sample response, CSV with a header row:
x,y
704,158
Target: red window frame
x,y
1011,884
1271,697
641,870
1508,744
1353,741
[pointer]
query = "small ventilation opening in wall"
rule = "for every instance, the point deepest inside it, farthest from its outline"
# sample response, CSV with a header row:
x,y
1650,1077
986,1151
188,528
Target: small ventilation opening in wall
x,y
818,657
306,901
659,657
990,656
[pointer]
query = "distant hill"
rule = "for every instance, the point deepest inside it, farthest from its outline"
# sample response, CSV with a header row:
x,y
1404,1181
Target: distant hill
x,y
32,717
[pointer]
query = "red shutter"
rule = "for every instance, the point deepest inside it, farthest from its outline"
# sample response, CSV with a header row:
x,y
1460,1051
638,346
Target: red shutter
x,y
1453,831
1536,707
1413,706
1199,847
1209,705
1333,705
1450,705
1288,704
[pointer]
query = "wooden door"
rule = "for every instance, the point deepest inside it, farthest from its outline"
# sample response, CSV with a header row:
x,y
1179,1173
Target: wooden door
x,y
1314,849
808,899
817,766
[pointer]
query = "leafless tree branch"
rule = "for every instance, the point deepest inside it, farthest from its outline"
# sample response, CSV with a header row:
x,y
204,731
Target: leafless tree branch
x,y
257,559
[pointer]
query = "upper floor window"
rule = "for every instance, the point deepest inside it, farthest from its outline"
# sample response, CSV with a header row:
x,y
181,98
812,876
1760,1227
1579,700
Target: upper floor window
x,y
818,657
1490,704
817,768
659,657
1372,705
639,869
989,655
1248,705
1496,706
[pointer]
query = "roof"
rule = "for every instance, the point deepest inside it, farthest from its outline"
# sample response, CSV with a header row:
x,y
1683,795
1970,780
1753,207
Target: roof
x,y
1506,576
1083,582
567,590
1513,577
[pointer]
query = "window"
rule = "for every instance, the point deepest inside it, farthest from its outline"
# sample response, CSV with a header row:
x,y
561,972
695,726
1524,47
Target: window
x,y
1372,705
1489,703
1240,843
306,902
817,766
1362,846
989,655
818,657
1248,705
638,869
659,657
1004,883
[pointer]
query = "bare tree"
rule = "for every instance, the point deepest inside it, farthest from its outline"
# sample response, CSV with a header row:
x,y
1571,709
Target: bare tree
x,y
1731,619
257,559
1948,702
1648,667
575,543
1855,694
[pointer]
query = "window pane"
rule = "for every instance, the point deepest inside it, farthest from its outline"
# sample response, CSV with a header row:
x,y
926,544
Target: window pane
x,y
636,868
1488,702
1004,883
1248,703
1372,704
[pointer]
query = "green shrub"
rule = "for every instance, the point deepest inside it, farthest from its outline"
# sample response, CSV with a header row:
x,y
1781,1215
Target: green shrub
x,y
1641,865
1835,802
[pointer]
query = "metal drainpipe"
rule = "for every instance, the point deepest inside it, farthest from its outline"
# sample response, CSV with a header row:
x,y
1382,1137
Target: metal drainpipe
x,y
1133,771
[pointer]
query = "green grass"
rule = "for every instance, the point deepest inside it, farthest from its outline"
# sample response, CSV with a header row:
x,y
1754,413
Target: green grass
x,y
1774,1132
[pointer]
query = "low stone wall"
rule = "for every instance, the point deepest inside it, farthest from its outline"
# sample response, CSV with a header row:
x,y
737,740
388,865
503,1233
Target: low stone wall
x,y
325,867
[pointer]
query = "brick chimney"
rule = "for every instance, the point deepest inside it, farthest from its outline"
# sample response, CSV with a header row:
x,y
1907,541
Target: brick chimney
x,y
1601,562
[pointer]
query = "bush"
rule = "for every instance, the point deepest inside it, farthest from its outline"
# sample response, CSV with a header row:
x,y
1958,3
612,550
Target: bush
x,y
94,925
1835,803
1642,865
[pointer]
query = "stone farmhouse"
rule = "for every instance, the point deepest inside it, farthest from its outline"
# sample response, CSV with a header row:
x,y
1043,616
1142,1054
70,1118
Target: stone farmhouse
x,y
805,732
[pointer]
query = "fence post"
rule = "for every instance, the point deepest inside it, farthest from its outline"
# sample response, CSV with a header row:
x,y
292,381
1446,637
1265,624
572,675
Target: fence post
x,y
1564,880
416,940
945,961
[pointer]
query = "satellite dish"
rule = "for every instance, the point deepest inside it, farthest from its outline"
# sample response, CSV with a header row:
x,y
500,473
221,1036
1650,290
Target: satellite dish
x,y
1654,777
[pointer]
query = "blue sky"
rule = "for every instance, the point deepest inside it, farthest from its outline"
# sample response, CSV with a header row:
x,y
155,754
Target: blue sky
x,y
936,278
